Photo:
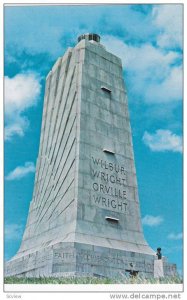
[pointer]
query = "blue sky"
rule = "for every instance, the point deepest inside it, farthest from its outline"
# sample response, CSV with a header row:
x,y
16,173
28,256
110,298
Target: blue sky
x,y
148,39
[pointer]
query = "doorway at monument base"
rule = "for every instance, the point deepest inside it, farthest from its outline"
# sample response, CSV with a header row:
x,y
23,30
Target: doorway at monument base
x,y
75,259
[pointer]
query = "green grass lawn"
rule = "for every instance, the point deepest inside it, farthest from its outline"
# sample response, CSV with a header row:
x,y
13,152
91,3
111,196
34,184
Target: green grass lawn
x,y
92,280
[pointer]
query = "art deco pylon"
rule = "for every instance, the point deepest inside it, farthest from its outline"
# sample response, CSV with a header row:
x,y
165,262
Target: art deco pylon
x,y
84,217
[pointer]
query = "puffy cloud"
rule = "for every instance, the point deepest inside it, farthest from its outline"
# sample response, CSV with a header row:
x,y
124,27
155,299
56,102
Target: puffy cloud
x,y
13,231
168,19
21,171
175,236
140,57
17,126
154,75
152,220
21,92
163,140
168,90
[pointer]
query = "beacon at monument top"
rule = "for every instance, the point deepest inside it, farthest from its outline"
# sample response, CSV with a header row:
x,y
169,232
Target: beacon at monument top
x,y
90,37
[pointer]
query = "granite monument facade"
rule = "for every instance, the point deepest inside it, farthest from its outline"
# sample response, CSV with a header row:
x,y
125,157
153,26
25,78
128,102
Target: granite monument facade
x,y
84,217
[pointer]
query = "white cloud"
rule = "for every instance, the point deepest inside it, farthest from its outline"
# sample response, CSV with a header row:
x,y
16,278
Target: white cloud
x,y
140,57
21,92
175,236
163,140
168,19
153,74
17,126
13,231
168,90
152,221
21,171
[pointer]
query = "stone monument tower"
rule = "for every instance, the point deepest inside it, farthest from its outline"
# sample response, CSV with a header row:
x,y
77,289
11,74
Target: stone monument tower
x,y
84,217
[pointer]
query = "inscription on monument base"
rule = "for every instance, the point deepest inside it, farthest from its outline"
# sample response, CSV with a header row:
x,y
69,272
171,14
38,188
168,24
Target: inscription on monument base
x,y
118,261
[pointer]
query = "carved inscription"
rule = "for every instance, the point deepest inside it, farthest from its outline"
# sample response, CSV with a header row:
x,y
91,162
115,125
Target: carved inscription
x,y
100,259
108,185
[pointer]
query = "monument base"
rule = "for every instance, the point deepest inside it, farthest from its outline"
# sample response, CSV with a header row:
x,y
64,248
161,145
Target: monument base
x,y
75,259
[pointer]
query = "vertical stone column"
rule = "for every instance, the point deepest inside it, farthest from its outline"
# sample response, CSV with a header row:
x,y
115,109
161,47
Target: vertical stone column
x,y
84,217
